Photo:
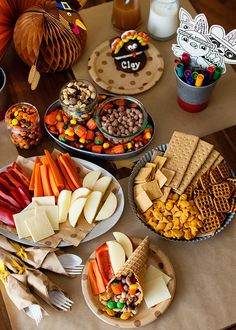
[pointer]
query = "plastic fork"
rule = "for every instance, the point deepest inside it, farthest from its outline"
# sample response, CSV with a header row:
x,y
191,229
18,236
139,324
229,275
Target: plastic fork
x,y
59,300
34,311
71,263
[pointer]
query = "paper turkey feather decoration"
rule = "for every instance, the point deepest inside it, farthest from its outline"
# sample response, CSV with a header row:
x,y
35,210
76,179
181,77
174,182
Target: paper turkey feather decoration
x,y
49,36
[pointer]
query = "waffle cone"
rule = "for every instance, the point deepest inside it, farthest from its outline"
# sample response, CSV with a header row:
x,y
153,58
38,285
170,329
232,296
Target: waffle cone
x,y
137,264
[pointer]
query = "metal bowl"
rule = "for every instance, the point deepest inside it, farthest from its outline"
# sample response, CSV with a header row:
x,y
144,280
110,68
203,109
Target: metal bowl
x,y
67,147
145,159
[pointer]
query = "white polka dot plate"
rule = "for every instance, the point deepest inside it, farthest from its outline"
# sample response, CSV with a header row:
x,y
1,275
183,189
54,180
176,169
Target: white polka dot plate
x,y
102,69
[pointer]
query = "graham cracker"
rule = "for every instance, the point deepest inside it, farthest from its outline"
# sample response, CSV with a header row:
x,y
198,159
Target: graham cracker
x,y
200,155
218,160
206,166
179,153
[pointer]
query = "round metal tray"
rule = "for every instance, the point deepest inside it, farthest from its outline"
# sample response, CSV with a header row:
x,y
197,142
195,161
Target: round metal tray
x,y
67,147
146,158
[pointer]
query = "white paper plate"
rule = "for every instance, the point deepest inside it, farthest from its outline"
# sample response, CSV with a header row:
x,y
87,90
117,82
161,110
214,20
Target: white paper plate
x,y
101,227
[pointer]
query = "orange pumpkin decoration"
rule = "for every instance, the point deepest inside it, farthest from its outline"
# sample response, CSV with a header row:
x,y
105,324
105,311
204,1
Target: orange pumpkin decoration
x,y
48,35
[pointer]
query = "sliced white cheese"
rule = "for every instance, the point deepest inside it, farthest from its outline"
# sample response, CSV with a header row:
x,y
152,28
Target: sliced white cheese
x,y
31,206
19,218
153,272
44,200
155,292
102,184
90,179
39,227
52,214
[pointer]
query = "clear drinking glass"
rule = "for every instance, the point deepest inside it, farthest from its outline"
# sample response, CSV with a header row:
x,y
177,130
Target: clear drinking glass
x,y
163,19
126,14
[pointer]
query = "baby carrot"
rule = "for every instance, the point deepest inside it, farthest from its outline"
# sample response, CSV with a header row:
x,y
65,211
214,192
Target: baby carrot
x,y
70,171
55,190
55,170
92,279
65,174
38,189
32,179
47,191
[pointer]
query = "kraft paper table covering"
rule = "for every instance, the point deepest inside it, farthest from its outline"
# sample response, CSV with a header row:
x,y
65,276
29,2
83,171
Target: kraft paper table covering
x,y
205,271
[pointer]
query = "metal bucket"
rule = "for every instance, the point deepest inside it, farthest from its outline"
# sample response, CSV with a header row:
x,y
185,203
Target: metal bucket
x,y
192,98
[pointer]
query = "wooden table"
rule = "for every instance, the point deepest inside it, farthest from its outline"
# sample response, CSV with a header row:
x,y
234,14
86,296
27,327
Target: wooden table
x,y
48,91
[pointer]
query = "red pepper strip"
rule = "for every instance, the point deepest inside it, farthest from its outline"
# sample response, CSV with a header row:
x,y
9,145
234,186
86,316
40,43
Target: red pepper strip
x,y
7,197
9,206
104,263
21,188
6,217
14,192
19,174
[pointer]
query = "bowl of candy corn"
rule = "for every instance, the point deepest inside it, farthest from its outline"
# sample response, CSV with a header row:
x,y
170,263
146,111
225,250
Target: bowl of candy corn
x,y
86,138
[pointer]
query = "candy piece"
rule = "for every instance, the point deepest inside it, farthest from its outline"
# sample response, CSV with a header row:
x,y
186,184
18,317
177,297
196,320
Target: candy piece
x,y
99,139
111,304
106,145
132,289
120,305
91,124
129,145
79,130
90,135
147,136
97,149
72,121
117,288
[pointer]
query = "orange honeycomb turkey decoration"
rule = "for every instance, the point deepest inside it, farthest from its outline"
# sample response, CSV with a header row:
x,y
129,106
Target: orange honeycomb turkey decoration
x,y
49,36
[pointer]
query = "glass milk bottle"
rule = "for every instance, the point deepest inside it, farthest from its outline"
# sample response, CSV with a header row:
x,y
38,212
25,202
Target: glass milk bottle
x,y
163,18
126,14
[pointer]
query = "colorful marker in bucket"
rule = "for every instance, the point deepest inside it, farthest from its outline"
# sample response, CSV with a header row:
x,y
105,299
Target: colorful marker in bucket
x,y
217,73
180,70
185,59
199,80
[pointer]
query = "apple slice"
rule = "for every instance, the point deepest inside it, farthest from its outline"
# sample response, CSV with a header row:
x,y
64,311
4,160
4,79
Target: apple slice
x,y
91,205
108,208
125,242
116,254
102,184
90,179
76,209
80,192
63,203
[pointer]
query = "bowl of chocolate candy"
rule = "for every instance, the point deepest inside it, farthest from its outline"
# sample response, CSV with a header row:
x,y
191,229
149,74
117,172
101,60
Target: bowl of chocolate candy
x,y
78,99
121,118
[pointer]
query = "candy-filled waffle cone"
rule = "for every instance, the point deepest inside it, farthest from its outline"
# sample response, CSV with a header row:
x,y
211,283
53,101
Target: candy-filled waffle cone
x,y
125,290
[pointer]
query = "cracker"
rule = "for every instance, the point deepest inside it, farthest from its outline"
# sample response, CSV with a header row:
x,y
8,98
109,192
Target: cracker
x,y
143,202
159,161
138,188
169,174
152,189
206,166
143,174
179,154
153,166
156,153
201,153
161,178
165,192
